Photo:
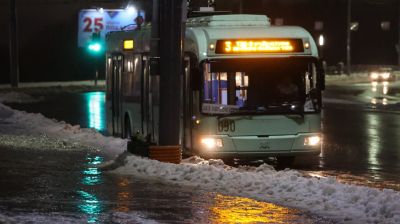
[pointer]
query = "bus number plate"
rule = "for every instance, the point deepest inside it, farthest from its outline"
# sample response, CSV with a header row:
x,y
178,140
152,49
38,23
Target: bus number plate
x,y
226,125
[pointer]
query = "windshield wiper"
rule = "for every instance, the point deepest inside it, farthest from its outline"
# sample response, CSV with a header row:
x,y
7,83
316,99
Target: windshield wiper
x,y
294,107
241,112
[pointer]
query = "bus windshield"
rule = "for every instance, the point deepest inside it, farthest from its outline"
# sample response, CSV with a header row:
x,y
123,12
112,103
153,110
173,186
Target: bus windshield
x,y
259,86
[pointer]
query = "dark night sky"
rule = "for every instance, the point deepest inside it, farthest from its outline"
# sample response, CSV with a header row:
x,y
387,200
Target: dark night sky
x,y
48,39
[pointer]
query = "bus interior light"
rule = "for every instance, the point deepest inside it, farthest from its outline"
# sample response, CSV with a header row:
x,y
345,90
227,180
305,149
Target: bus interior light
x,y
312,140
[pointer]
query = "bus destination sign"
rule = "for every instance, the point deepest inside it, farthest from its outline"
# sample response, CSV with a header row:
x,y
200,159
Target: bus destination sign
x,y
259,46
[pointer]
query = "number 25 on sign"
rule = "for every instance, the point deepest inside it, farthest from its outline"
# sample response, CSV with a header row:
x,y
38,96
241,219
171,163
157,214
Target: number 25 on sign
x,y
93,24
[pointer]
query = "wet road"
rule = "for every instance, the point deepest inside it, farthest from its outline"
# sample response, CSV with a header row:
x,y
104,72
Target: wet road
x,y
361,127
50,186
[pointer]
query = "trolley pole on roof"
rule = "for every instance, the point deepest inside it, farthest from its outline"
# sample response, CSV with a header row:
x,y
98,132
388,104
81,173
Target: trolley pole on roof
x,y
14,62
171,57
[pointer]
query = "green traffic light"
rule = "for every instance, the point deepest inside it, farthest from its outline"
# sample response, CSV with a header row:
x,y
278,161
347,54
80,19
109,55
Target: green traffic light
x,y
95,47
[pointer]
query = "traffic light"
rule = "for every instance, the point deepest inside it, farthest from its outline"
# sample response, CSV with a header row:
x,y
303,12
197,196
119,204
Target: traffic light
x,y
95,45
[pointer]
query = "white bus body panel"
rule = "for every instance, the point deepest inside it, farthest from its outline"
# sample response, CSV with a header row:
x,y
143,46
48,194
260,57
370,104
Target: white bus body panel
x,y
257,135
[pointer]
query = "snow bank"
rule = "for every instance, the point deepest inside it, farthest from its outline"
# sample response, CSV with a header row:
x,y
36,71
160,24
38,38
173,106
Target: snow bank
x,y
347,79
326,197
17,97
54,84
341,202
14,122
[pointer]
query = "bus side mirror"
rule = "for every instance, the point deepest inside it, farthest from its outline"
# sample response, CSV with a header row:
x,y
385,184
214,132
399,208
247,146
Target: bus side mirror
x,y
195,78
320,75
154,66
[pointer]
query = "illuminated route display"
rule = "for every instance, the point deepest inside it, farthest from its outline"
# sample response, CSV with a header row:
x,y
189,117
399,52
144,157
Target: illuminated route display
x,y
259,46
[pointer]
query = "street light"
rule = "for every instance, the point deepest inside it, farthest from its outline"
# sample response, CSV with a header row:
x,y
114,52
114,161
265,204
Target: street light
x,y
321,40
130,9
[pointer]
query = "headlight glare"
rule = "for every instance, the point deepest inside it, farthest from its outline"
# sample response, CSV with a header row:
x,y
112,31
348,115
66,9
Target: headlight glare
x,y
211,142
312,140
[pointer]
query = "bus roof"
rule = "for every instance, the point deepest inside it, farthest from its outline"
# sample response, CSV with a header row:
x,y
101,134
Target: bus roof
x,y
201,32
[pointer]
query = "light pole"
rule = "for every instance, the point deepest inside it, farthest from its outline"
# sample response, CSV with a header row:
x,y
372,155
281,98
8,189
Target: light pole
x,y
348,47
171,57
14,62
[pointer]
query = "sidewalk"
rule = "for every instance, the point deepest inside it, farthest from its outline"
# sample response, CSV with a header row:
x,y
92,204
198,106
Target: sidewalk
x,y
100,83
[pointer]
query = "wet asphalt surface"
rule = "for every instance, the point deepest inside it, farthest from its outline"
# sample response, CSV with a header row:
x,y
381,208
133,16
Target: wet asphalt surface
x,y
48,186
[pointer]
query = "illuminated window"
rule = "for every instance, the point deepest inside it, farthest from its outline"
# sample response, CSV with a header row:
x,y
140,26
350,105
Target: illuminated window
x,y
128,44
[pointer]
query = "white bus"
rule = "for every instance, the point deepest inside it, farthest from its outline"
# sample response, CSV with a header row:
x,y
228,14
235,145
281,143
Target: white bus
x,y
249,89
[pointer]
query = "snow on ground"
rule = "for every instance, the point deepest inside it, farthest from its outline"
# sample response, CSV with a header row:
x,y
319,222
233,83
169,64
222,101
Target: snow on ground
x,y
348,79
14,122
54,84
17,97
326,197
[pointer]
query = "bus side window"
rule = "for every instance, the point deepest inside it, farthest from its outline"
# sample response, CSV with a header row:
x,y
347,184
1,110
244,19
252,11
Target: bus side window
x,y
137,75
127,77
109,69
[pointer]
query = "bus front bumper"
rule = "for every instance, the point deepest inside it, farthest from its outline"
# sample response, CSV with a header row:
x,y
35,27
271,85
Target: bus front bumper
x,y
246,147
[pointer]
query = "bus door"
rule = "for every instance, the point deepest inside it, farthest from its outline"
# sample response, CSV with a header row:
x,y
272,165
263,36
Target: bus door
x,y
116,106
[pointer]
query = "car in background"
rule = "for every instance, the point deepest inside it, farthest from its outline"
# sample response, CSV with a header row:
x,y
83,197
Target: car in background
x,y
382,75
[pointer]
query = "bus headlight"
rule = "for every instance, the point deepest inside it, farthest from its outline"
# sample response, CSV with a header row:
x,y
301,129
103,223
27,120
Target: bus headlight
x,y
211,142
312,140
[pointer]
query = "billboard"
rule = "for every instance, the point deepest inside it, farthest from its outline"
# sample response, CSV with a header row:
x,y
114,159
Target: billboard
x,y
103,21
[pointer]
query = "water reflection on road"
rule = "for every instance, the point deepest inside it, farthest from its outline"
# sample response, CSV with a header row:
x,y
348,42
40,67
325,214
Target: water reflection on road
x,y
379,94
230,209
361,143
96,114
89,204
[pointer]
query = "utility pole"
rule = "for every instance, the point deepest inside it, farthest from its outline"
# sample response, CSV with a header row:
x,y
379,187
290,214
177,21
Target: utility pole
x,y
398,33
171,57
14,62
348,47
240,6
